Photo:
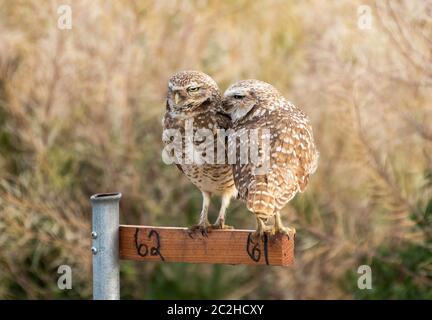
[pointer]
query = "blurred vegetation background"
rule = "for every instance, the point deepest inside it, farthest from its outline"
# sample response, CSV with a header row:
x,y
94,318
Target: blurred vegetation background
x,y
80,113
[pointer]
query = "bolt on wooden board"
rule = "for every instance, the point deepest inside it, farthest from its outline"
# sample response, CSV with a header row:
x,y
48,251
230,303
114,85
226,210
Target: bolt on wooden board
x,y
170,244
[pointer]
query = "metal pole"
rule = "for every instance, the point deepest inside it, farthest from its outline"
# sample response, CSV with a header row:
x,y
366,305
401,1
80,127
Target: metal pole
x,y
105,247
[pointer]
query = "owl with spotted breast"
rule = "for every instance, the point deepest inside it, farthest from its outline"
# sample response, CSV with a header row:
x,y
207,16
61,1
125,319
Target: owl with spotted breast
x,y
287,159
193,110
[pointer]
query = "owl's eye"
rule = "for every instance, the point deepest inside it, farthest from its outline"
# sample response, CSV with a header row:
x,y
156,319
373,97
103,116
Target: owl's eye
x,y
193,89
238,96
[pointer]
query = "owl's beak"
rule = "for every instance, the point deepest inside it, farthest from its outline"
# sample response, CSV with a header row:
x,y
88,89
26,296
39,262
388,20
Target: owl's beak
x,y
176,98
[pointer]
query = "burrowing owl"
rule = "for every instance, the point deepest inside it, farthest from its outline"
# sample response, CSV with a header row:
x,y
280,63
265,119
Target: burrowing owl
x,y
292,154
193,105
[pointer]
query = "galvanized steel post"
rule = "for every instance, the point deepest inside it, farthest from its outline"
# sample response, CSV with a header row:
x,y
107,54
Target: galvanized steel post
x,y
105,246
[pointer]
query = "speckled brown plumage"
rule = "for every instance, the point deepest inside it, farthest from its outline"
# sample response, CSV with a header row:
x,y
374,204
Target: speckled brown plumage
x,y
293,156
203,106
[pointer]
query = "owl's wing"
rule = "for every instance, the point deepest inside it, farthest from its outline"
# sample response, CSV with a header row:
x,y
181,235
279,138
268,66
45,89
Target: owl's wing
x,y
252,176
278,185
294,147
284,160
292,159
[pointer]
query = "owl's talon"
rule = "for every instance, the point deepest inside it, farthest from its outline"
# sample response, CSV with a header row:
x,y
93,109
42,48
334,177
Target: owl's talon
x,y
262,232
204,229
221,226
225,226
279,228
290,232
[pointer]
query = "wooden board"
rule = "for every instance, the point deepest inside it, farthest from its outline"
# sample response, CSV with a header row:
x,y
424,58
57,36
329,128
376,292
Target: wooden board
x,y
220,246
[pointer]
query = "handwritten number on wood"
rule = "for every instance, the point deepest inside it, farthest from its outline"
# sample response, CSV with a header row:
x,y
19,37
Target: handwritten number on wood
x,y
143,250
254,248
155,251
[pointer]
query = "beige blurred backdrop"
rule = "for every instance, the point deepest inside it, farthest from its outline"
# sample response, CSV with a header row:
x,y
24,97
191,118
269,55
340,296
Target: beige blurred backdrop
x,y
81,109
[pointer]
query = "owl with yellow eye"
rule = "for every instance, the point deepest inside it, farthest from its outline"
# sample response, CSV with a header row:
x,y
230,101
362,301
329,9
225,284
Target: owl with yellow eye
x,y
194,97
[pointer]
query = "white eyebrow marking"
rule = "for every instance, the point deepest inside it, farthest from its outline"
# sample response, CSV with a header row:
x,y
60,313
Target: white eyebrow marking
x,y
174,87
193,84
235,91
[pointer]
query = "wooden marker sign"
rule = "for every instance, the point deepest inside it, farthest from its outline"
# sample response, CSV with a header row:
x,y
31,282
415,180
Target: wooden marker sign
x,y
171,244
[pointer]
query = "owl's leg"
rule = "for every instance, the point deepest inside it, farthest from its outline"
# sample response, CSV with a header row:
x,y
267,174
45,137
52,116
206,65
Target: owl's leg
x,y
279,227
203,225
262,229
220,222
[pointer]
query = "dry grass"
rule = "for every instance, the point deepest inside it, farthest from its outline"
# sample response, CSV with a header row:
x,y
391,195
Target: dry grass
x,y
80,113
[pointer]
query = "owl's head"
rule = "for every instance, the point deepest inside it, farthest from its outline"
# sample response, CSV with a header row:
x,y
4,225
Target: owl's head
x,y
191,91
245,96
